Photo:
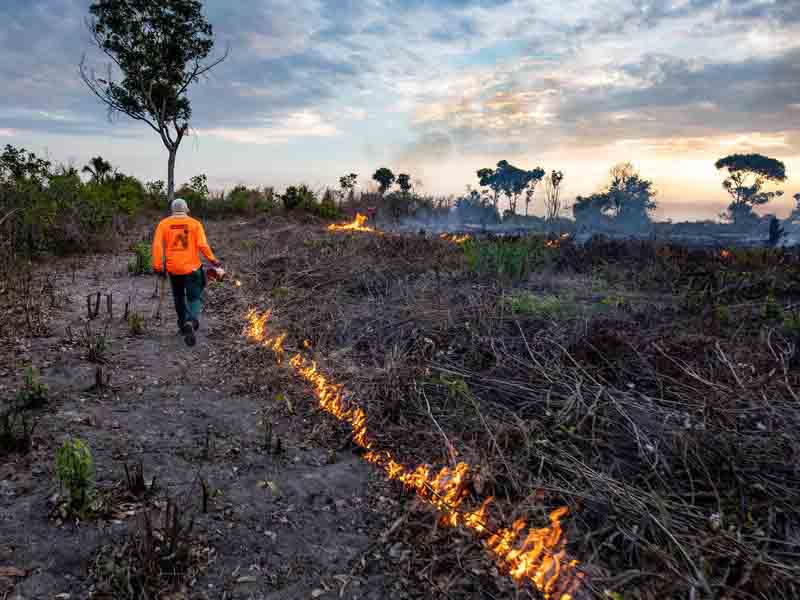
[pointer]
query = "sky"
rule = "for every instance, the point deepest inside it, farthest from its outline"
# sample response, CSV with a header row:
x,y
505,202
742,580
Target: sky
x,y
315,89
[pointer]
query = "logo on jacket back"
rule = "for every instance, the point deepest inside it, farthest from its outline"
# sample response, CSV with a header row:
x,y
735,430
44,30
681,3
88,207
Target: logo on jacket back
x,y
181,240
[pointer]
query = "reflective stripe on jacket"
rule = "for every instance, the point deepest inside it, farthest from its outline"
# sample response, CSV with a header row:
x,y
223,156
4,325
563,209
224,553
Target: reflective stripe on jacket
x,y
182,239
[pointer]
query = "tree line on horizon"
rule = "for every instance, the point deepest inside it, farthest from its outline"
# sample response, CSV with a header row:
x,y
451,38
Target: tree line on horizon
x,y
160,49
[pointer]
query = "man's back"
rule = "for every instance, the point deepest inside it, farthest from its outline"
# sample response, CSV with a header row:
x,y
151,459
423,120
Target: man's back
x,y
181,238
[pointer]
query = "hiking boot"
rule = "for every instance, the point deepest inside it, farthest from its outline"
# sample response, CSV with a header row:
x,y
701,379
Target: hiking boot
x,y
195,323
188,334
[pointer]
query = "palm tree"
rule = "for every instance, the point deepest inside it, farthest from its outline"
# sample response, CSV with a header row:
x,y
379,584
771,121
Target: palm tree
x,y
98,169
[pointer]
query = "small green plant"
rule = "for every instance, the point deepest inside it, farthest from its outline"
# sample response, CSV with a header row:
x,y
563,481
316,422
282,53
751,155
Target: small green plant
x,y
298,198
614,301
456,388
508,259
75,471
16,431
773,311
550,306
722,314
33,393
142,260
791,322
136,323
281,292
96,345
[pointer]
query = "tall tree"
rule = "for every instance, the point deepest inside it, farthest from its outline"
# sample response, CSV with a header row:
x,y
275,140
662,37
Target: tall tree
x,y
159,49
489,178
629,198
347,184
98,169
747,174
511,181
385,179
17,165
404,183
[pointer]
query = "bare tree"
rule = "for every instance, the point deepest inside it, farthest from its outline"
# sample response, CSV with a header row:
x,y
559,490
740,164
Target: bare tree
x,y
552,194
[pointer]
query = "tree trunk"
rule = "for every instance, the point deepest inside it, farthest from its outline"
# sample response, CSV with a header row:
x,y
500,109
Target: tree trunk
x,y
171,175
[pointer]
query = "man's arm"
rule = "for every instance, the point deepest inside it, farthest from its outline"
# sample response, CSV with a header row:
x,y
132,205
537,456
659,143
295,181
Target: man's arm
x,y
202,245
157,251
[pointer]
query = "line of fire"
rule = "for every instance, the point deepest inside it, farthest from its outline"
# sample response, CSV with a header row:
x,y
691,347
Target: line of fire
x,y
528,554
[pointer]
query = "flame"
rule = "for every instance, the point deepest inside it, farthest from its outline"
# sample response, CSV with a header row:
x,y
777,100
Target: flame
x,y
455,238
556,243
357,224
535,554
724,254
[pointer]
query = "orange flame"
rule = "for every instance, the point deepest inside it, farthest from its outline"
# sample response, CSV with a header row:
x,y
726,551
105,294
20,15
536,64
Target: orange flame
x,y
725,254
357,224
536,554
457,239
556,243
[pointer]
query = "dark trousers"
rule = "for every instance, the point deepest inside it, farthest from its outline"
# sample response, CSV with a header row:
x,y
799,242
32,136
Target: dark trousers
x,y
187,291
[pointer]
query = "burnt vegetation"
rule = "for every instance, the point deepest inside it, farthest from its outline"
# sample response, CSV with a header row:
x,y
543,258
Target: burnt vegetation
x,y
651,388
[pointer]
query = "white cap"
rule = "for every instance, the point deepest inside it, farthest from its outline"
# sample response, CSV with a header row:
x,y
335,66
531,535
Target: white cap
x,y
179,206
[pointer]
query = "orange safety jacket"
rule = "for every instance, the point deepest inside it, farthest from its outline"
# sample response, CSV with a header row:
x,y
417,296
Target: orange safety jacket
x,y
182,239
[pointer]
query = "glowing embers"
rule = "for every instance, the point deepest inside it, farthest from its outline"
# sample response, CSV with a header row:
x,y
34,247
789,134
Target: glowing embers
x,y
535,554
357,224
556,243
455,238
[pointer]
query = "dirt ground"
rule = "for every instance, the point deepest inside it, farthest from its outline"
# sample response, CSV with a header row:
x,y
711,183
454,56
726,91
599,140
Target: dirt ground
x,y
308,521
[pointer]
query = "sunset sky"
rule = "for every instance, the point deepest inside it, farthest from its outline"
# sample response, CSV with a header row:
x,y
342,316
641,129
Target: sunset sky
x,y
314,89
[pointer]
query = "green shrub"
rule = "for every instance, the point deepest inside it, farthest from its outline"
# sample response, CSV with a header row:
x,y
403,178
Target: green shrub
x,y
773,311
96,344
791,323
239,199
52,210
549,306
142,262
722,314
156,194
135,323
298,198
510,259
614,301
16,431
196,194
33,393
75,471
266,201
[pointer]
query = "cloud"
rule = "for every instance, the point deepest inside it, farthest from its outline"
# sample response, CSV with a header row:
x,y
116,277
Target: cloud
x,y
465,82
294,125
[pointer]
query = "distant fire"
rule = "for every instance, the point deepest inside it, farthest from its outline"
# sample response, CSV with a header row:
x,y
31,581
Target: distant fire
x,y
357,224
725,254
455,238
537,555
556,243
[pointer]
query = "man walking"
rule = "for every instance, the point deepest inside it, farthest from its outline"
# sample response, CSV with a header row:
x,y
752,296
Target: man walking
x,y
177,245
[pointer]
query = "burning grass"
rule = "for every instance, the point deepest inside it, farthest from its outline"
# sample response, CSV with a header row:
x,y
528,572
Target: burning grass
x,y
535,555
661,412
359,223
